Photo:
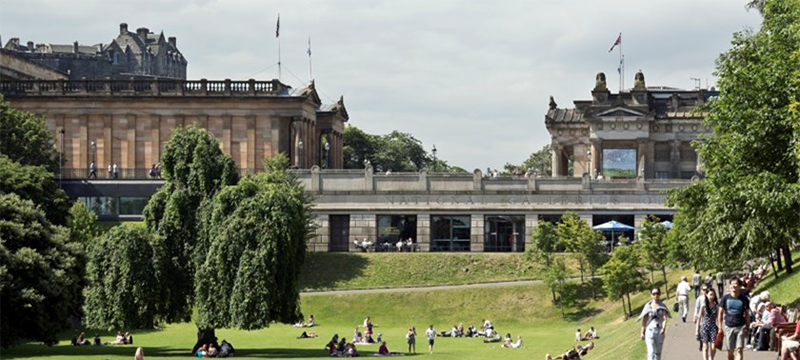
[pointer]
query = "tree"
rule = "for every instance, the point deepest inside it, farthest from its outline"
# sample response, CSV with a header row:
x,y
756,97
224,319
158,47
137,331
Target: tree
x,y
82,224
124,279
194,168
582,241
652,239
544,237
540,161
749,204
257,237
555,278
34,183
40,274
621,275
24,138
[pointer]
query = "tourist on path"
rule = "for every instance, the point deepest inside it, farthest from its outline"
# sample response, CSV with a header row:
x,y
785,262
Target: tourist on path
x,y
706,329
683,297
654,324
733,317
431,333
696,280
720,282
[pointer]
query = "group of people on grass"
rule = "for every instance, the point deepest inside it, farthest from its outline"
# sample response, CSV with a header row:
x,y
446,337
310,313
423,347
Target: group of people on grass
x,y
732,320
123,338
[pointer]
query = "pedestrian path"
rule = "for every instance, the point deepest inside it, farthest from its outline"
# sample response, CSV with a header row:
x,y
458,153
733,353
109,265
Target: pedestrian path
x,y
681,344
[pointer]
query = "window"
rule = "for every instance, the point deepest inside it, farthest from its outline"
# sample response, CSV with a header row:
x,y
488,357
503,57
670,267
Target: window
x,y
101,205
132,205
687,174
392,228
504,233
662,175
450,233
688,154
339,232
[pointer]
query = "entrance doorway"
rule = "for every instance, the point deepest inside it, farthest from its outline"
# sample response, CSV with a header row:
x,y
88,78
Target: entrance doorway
x,y
504,233
339,236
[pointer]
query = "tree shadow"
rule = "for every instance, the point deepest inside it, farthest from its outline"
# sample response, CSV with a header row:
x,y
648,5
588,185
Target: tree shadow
x,y
296,353
31,350
322,271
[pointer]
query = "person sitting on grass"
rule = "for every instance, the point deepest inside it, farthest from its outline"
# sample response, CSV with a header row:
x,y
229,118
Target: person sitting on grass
x,y
121,340
357,338
472,332
351,350
590,334
308,335
311,321
452,333
507,341
212,351
497,338
342,346
202,351
97,340
383,350
80,340
226,349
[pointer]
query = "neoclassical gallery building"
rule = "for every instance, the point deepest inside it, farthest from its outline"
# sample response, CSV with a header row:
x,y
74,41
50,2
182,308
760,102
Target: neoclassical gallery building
x,y
614,156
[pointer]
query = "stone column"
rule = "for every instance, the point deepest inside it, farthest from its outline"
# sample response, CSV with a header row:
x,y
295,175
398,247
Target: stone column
x,y
321,239
362,227
557,151
424,232
675,159
531,221
638,220
580,160
476,232
597,157
641,156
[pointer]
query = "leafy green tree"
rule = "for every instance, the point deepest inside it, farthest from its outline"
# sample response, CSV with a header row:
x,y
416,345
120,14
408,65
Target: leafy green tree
x,y
257,243
24,138
40,274
194,168
544,237
748,205
540,161
621,275
124,279
34,183
82,224
555,277
653,238
582,241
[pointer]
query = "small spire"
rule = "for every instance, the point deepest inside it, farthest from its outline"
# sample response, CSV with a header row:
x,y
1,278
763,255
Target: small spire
x,y
553,104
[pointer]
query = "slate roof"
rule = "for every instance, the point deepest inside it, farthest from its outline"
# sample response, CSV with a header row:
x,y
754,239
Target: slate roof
x,y
564,115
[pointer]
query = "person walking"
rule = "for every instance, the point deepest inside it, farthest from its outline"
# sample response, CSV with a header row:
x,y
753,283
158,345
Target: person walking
x,y
720,282
115,170
654,324
698,308
733,319
431,334
706,329
411,336
92,171
683,297
696,279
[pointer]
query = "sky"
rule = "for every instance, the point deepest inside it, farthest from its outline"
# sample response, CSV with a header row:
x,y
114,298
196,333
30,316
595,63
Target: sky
x,y
471,77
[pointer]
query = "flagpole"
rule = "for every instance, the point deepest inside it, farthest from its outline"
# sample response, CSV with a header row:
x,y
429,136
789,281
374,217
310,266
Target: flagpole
x,y
621,66
278,35
310,73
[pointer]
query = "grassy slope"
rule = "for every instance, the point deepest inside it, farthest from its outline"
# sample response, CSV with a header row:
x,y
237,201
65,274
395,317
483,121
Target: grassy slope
x,y
324,271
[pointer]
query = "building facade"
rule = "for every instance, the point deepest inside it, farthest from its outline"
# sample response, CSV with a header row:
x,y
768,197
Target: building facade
x,y
614,157
139,54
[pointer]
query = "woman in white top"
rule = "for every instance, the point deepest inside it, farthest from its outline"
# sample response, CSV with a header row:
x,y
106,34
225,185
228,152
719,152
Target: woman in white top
x,y
517,344
654,324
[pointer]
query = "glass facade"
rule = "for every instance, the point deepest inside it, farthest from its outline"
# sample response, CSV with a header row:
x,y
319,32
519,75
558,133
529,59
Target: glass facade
x,y
504,233
395,228
450,233
110,206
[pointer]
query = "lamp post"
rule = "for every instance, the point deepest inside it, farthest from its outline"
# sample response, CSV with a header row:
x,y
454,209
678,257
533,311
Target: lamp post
x,y
60,158
435,167
93,167
300,148
327,152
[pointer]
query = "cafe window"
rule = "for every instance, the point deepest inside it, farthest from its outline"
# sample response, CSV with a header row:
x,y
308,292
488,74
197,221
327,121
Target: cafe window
x,y
450,233
394,228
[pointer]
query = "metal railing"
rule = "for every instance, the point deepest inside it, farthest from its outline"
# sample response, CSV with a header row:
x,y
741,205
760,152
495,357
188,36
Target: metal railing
x,y
138,87
104,174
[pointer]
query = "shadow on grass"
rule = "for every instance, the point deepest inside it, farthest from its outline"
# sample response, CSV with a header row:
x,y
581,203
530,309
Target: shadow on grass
x,y
122,351
295,353
67,335
322,271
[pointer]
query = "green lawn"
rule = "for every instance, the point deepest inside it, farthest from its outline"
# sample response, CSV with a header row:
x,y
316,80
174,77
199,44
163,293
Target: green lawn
x,y
324,271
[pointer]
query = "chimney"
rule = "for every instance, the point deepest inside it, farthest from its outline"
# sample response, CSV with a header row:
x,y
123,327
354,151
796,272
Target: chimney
x,y
173,41
75,47
123,28
30,46
14,42
142,32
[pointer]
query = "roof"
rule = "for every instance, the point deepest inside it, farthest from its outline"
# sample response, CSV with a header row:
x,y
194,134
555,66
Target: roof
x,y
82,49
564,115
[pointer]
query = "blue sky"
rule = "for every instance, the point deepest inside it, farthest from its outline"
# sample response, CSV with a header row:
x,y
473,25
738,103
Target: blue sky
x,y
472,77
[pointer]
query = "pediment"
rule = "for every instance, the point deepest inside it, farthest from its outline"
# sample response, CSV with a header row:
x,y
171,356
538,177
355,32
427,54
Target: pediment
x,y
621,112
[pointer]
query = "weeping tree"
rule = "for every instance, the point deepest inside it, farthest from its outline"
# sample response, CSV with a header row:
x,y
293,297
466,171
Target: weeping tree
x,y
256,233
125,279
195,169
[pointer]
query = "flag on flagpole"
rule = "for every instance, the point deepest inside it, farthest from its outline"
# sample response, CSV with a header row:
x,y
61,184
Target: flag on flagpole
x,y
617,42
309,47
278,27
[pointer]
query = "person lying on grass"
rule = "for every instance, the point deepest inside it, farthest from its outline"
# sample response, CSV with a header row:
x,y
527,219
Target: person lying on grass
x,y
573,354
514,345
308,335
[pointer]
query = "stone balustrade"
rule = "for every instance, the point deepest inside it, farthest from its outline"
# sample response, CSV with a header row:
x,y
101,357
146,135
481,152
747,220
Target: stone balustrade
x,y
140,87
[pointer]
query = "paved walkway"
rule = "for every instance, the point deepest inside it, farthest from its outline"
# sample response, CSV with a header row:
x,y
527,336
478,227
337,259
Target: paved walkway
x,y
681,343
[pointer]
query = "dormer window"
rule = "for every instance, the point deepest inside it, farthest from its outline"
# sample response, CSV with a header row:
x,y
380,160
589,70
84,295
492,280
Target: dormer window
x,y
115,57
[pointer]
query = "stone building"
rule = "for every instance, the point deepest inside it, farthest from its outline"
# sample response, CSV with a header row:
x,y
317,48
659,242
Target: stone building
x,y
645,132
616,155
139,54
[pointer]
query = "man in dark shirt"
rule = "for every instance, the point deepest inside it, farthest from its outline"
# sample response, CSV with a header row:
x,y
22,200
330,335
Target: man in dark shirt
x,y
733,319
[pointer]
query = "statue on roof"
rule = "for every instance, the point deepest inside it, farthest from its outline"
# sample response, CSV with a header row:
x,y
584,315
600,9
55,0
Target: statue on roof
x,y
638,80
600,81
553,104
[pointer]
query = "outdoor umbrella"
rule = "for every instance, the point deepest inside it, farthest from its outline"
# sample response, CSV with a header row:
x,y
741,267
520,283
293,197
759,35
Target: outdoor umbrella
x,y
613,226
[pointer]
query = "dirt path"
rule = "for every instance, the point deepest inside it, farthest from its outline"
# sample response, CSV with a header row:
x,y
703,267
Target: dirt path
x,y
430,287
